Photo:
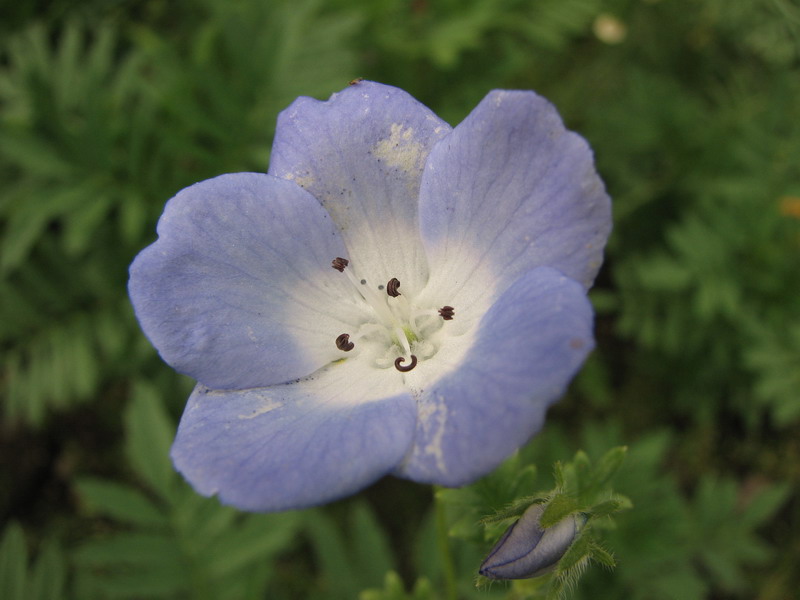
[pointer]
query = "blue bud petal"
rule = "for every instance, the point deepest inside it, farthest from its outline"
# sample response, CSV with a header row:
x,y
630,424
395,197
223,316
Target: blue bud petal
x,y
526,549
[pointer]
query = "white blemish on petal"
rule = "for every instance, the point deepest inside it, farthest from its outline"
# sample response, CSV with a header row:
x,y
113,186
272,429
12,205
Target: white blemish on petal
x,y
433,418
303,180
269,405
499,97
400,149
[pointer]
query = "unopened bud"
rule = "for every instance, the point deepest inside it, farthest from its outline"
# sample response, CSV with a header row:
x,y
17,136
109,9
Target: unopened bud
x,y
526,549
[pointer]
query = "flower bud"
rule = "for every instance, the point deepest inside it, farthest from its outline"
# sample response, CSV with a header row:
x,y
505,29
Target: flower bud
x,y
526,550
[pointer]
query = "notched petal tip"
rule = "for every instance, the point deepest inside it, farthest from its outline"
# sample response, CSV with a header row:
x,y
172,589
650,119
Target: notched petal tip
x,y
526,549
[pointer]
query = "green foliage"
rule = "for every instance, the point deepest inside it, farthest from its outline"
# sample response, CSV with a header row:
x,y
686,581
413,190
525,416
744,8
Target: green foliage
x,y
352,559
394,590
60,276
44,579
773,358
722,520
445,34
712,276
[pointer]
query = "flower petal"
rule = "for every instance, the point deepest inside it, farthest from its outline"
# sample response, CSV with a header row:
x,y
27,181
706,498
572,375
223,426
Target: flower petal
x,y
526,550
361,154
299,444
510,189
524,353
236,290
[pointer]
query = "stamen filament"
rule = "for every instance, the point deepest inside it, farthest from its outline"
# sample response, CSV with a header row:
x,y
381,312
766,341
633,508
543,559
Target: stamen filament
x,y
376,302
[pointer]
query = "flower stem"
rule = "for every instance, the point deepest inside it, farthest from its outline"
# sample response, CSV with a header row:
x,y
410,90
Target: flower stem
x,y
444,547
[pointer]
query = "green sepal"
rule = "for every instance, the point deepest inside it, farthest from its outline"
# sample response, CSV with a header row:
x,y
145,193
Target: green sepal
x,y
557,509
608,507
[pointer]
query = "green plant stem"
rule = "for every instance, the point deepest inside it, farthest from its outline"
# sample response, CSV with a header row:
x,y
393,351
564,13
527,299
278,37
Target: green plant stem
x,y
444,547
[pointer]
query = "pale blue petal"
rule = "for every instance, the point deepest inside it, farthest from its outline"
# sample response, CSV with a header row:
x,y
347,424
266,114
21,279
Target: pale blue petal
x,y
361,154
526,350
296,445
510,189
238,291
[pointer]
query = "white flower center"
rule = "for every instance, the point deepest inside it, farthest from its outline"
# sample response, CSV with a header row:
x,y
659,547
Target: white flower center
x,y
401,333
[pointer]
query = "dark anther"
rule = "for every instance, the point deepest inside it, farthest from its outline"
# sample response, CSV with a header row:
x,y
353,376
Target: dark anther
x,y
340,263
343,343
400,360
355,81
391,287
447,312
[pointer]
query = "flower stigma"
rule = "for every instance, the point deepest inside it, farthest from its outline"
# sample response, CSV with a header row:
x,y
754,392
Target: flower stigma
x,y
398,326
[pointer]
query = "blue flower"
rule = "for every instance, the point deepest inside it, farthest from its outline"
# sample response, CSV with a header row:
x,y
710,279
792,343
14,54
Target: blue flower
x,y
526,549
454,314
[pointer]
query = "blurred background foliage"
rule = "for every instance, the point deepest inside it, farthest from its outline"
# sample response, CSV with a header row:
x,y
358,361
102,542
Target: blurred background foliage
x,y
109,107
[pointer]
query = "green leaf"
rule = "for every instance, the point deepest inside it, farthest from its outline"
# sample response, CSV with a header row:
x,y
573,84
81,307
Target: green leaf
x,y
149,437
765,504
82,225
49,576
371,551
201,520
33,154
338,574
257,539
158,581
13,559
120,502
46,578
393,589
142,550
